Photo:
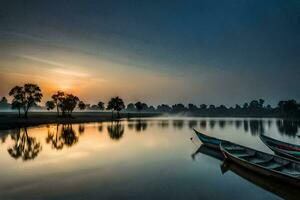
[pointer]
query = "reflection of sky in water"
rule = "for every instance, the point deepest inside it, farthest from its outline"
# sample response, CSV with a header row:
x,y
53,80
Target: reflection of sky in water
x,y
130,159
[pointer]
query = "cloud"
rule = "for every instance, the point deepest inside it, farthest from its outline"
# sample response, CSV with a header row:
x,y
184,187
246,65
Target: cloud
x,y
61,68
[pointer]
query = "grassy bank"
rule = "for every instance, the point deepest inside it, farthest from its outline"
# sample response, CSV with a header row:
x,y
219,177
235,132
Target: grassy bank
x,y
11,120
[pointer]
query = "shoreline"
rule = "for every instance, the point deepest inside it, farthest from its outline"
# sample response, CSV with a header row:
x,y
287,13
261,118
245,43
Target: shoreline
x,y
11,120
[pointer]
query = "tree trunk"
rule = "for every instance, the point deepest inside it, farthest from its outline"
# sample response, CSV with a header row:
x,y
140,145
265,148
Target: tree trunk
x,y
118,115
19,112
112,114
57,110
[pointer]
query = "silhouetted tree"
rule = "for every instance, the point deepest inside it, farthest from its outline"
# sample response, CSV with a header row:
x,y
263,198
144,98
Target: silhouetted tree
x,y
116,104
192,107
81,105
17,93
50,105
164,108
27,96
140,106
130,107
176,108
17,105
57,99
151,109
68,104
4,104
101,105
3,100
65,137
288,108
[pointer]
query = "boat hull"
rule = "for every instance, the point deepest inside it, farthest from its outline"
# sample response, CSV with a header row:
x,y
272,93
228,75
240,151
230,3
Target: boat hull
x,y
260,170
208,140
282,148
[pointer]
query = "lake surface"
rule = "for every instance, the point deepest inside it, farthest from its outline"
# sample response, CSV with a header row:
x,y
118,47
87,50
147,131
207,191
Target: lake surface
x,y
131,159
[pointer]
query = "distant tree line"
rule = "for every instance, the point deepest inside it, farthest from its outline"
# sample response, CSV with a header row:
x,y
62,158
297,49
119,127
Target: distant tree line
x,y
28,96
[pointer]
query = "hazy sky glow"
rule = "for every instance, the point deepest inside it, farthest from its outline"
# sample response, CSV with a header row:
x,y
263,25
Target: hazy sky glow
x,y
200,51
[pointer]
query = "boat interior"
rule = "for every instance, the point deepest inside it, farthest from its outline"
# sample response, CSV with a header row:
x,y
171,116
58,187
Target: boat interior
x,y
264,160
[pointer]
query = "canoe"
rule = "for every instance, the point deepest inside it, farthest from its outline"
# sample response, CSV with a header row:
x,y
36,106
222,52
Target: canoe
x,y
275,186
208,140
280,168
282,148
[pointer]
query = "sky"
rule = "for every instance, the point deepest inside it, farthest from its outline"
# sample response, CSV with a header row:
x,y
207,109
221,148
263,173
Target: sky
x,y
202,51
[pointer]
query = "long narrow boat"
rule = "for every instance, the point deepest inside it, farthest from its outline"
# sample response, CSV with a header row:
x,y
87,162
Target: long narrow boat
x,y
262,163
273,185
208,140
282,148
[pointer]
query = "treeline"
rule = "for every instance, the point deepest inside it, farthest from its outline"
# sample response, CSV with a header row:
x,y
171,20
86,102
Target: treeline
x,y
29,96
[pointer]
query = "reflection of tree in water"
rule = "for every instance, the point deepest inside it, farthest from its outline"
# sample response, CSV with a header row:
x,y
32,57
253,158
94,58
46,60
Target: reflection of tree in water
x,y
269,123
178,124
192,124
203,124
100,127
246,126
115,130
238,124
212,123
65,137
81,129
3,138
222,123
288,127
163,123
141,125
256,127
69,135
24,147
130,125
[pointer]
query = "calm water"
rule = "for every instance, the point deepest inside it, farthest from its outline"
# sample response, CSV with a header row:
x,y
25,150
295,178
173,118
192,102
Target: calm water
x,y
136,159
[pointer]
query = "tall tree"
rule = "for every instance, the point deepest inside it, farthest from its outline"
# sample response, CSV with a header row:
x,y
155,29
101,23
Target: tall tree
x,y
18,98
33,95
101,105
139,106
57,99
26,96
116,104
68,103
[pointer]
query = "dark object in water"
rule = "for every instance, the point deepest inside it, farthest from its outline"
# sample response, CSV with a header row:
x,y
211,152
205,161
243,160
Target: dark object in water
x,y
208,140
280,168
282,148
273,185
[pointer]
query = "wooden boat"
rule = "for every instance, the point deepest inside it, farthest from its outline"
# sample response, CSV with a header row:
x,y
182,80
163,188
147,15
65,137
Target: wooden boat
x,y
208,140
262,163
282,148
273,185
